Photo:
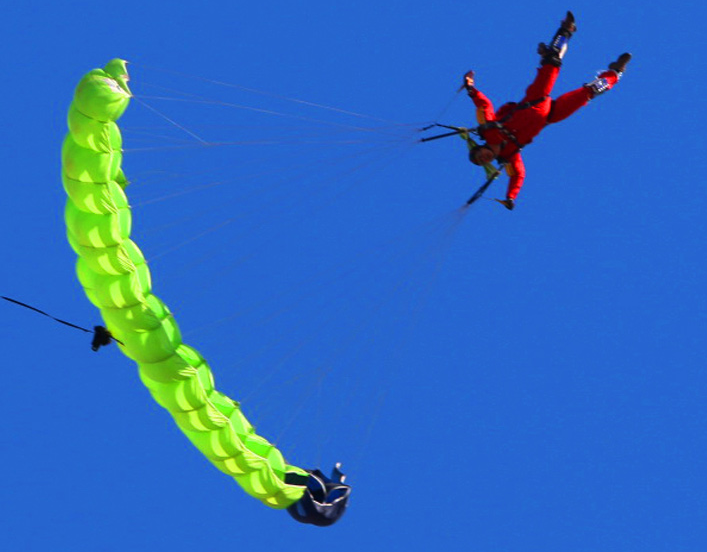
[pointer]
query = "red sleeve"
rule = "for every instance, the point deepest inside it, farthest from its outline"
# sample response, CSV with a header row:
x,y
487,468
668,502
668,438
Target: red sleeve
x,y
484,107
516,170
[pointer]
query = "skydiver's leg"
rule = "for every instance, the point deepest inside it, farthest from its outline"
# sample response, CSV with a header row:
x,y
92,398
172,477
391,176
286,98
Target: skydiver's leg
x,y
543,83
551,60
568,103
553,52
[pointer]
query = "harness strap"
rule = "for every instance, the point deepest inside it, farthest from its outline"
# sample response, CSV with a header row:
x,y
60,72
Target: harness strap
x,y
499,126
502,128
524,105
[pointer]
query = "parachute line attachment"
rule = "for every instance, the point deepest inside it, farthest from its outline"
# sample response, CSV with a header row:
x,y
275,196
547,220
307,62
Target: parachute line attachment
x,y
455,131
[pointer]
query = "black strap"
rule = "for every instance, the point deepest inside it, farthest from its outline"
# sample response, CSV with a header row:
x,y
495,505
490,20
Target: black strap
x,y
45,314
524,105
502,128
101,336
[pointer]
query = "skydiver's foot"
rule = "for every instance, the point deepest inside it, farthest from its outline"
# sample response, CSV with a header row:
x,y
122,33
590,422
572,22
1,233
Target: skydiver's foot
x,y
507,203
568,23
553,52
620,64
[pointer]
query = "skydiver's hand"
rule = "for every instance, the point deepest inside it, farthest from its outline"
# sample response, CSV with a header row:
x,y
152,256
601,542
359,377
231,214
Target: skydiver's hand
x,y
469,78
468,81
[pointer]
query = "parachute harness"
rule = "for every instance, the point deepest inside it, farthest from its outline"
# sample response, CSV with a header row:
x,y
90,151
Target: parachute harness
x,y
499,124
465,133
479,130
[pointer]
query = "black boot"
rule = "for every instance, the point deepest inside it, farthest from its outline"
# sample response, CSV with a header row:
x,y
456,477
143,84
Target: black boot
x,y
620,64
507,203
554,52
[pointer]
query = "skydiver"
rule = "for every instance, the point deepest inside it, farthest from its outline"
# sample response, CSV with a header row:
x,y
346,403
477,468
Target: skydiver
x,y
514,125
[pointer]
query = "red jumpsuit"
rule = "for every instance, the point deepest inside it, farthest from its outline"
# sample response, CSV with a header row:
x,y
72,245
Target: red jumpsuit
x,y
525,123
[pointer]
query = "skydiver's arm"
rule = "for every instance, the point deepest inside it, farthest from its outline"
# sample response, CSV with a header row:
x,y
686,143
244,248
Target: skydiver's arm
x,y
484,107
516,170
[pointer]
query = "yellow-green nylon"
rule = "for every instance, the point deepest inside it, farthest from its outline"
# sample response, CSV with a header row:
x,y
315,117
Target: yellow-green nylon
x,y
117,280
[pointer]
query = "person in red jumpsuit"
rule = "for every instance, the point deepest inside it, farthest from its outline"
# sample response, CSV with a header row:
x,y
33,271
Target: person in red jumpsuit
x,y
514,125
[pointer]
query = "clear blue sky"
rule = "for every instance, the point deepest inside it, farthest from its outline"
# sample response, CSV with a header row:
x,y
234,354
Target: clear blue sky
x,y
525,381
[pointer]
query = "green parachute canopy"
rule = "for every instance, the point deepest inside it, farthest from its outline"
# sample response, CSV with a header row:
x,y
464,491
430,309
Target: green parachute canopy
x,y
116,279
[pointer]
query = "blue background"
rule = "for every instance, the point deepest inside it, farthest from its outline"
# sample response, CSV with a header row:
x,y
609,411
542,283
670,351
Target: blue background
x,y
493,381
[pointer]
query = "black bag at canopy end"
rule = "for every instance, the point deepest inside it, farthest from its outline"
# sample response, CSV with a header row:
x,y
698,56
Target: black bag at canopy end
x,y
324,500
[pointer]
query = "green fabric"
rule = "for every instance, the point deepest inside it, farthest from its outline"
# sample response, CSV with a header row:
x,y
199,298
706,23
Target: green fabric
x,y
117,280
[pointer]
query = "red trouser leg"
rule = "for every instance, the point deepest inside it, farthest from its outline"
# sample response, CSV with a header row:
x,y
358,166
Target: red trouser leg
x,y
514,187
543,83
568,103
